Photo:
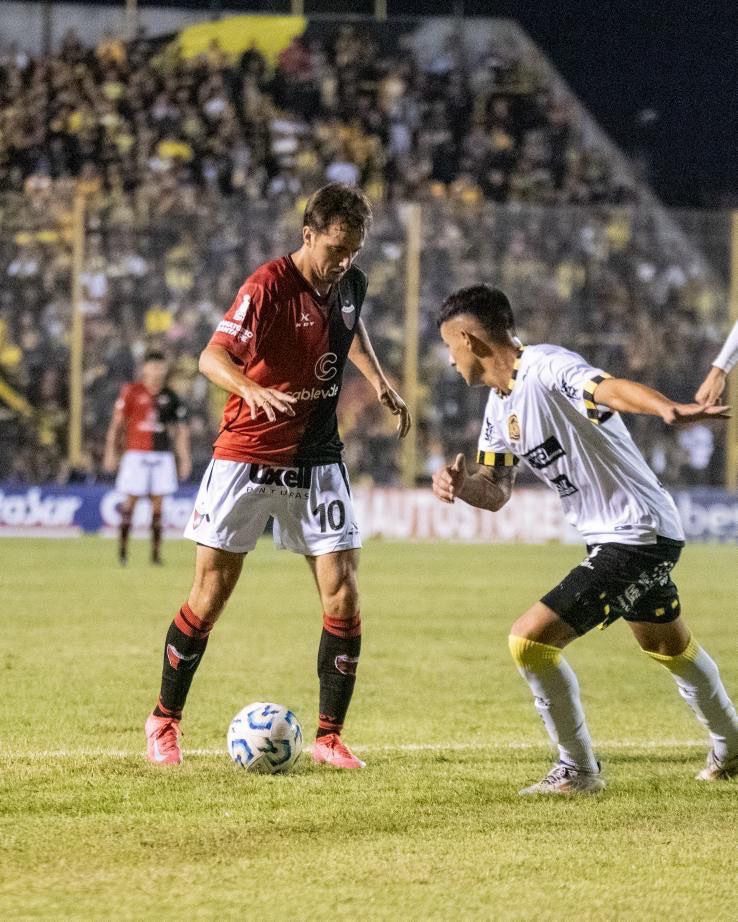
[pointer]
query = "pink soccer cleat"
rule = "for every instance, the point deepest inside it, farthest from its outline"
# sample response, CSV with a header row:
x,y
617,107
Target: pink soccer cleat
x,y
162,740
331,750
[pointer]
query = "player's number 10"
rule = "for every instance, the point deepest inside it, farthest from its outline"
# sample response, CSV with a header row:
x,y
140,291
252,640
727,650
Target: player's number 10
x,y
331,515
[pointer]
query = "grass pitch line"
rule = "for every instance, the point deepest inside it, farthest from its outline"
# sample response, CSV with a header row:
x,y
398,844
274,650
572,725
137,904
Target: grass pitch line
x,y
611,745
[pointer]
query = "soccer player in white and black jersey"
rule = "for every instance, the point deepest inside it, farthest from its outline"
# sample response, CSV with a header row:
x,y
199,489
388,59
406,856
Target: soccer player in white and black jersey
x,y
550,409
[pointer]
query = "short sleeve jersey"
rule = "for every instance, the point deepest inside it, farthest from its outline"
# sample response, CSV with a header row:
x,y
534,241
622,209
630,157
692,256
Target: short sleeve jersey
x,y
285,336
149,417
578,448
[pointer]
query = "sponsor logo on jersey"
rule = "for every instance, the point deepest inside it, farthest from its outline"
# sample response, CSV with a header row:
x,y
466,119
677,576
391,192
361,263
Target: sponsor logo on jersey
x,y
325,367
567,390
234,329
513,427
546,453
295,477
305,320
348,312
315,393
564,486
489,430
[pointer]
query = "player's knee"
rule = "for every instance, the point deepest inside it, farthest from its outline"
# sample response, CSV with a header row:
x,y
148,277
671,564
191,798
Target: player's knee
x,y
529,654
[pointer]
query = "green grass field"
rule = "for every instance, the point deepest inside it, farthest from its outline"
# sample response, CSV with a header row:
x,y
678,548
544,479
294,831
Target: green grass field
x,y
432,829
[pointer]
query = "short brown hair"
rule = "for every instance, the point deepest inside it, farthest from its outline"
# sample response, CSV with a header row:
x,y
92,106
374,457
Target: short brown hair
x,y
337,202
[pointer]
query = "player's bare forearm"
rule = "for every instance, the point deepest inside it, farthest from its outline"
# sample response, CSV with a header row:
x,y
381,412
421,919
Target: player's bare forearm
x,y
363,356
711,389
625,396
487,488
483,492
112,442
182,451
218,366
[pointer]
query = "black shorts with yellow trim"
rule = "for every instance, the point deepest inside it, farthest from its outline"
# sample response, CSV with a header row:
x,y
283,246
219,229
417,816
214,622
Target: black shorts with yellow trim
x,y
630,581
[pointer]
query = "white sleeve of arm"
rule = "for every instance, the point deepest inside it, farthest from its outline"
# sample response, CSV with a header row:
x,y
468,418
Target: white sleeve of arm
x,y
728,357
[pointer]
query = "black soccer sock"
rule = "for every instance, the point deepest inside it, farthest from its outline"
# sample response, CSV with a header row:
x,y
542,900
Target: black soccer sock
x,y
338,657
155,536
123,532
185,645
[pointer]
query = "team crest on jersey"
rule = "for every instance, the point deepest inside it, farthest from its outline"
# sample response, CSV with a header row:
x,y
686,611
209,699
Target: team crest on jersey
x,y
348,312
513,427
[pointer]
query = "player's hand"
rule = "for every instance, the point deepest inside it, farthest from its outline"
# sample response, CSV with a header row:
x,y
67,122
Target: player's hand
x,y
712,387
396,405
268,399
449,480
684,413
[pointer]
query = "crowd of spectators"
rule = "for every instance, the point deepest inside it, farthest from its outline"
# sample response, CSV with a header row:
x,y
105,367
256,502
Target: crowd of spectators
x,y
336,106
195,172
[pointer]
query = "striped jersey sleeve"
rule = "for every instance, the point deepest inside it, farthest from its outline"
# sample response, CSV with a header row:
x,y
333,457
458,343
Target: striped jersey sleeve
x,y
491,449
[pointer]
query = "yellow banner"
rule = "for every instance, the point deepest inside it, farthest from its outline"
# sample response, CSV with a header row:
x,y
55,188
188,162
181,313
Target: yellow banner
x,y
268,34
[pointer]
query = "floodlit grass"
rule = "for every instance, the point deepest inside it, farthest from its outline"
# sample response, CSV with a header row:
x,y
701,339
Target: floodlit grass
x,y
432,829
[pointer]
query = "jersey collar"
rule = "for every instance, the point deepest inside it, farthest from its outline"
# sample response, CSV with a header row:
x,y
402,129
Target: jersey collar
x,y
323,300
514,373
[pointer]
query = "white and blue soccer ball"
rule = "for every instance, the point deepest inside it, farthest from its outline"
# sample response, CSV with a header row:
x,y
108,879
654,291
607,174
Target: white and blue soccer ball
x,y
265,737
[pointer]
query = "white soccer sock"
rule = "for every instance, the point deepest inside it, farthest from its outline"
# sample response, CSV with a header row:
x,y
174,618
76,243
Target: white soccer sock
x,y
556,692
699,683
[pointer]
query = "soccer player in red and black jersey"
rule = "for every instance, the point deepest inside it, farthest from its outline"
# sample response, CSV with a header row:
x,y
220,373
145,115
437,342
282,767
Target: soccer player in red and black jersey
x,y
149,420
280,352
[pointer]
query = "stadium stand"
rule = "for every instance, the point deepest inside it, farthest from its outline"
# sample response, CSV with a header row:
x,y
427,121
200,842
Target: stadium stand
x,y
195,169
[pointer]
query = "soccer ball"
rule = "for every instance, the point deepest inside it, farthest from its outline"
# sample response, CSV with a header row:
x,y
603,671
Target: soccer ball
x,y
265,738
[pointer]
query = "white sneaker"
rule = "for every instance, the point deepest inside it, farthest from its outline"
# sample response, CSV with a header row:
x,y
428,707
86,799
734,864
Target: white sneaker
x,y
715,770
565,779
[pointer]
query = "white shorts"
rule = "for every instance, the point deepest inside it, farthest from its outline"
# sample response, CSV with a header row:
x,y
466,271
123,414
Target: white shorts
x,y
147,473
311,507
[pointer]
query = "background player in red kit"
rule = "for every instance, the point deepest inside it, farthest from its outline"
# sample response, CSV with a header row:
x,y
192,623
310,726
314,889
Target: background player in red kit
x,y
280,351
149,419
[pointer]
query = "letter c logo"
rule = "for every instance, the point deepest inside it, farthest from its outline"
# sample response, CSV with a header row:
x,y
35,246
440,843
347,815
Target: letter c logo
x,y
325,367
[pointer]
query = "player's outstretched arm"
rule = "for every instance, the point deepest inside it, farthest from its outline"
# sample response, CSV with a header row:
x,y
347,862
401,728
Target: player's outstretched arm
x,y
218,366
487,488
627,396
364,357
711,389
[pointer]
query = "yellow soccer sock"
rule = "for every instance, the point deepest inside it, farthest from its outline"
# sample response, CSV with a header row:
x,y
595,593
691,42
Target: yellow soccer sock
x,y
556,695
699,683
